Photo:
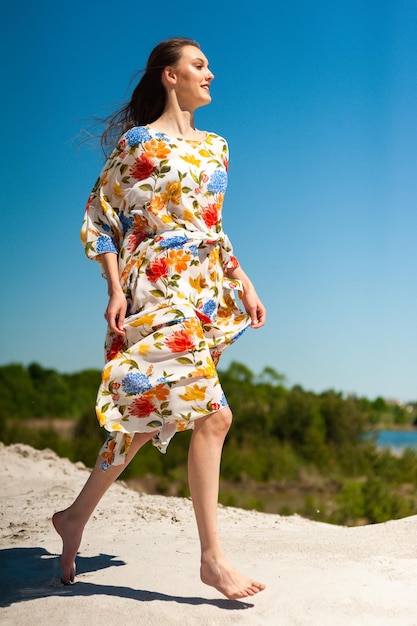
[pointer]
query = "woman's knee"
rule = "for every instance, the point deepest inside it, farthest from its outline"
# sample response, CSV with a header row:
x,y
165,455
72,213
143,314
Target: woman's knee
x,y
226,417
217,422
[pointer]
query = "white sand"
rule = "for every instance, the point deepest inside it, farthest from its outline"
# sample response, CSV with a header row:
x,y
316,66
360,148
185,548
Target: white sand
x,y
139,560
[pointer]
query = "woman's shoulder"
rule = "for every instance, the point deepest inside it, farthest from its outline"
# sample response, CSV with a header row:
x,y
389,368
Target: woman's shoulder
x,y
210,133
214,138
135,136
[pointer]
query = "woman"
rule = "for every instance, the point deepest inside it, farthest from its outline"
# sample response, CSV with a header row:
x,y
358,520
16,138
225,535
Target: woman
x,y
153,221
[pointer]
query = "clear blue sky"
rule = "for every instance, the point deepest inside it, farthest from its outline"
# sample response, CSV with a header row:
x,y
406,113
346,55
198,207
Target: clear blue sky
x,y
318,100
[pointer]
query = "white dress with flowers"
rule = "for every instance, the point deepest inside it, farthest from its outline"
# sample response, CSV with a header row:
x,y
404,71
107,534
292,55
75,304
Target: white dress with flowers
x,y
157,205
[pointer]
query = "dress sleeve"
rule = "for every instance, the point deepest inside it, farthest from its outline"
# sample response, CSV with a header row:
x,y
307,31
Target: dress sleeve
x,y
102,228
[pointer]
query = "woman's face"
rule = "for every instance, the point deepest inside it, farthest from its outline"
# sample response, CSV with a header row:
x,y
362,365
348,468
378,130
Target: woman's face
x,y
192,78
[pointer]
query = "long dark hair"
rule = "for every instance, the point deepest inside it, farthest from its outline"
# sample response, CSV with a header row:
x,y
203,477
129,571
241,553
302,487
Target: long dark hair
x,y
149,97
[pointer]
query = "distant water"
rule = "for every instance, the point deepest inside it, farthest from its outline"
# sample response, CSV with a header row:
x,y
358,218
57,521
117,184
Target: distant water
x,y
397,440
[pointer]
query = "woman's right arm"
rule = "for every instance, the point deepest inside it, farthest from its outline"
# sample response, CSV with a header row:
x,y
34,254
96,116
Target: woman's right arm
x,y
116,308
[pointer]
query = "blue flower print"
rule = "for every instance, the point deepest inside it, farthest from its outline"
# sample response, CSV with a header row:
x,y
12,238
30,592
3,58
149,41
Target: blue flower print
x,y
134,382
209,308
193,250
105,244
175,243
137,135
218,182
126,222
223,400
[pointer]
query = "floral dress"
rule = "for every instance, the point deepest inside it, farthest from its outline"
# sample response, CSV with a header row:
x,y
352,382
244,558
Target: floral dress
x,y
157,204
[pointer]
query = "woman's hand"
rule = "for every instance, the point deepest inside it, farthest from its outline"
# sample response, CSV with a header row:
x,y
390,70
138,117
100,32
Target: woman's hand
x,y
250,299
253,306
116,312
117,306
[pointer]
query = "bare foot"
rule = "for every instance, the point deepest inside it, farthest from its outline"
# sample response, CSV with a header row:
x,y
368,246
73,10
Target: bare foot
x,y
231,583
71,539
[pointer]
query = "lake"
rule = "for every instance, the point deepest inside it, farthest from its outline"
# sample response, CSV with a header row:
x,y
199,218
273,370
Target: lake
x,y
397,440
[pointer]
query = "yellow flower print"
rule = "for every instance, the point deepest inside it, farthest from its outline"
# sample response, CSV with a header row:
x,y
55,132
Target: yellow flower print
x,y
144,349
106,374
105,205
228,301
128,441
214,257
143,320
205,372
192,327
181,425
173,192
210,369
224,314
204,153
102,418
167,219
156,148
194,392
188,215
129,266
190,158
156,204
179,260
117,190
198,283
239,318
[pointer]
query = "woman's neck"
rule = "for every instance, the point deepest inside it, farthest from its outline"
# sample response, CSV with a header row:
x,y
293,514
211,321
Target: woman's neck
x,y
177,124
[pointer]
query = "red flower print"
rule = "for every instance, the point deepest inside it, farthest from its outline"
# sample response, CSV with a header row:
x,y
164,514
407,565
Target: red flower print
x,y
204,318
210,215
180,341
157,269
117,345
142,168
160,392
141,407
135,239
233,263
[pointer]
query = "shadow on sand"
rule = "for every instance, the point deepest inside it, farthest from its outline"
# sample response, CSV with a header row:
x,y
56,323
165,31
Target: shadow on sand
x,y
31,573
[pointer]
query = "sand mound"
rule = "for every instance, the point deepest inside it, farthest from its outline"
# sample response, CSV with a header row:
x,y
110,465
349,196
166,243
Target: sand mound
x,y
139,560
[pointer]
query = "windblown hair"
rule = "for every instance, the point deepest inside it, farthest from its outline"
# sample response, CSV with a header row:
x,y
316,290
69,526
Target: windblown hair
x,y
149,97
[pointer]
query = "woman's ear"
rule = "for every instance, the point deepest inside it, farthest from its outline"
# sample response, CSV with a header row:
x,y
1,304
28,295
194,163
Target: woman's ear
x,y
169,75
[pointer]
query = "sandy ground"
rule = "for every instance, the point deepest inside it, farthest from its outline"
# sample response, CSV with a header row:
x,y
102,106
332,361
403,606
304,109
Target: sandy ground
x,y
139,560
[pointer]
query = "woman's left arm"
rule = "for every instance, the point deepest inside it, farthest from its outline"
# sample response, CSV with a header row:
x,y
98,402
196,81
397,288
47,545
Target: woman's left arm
x,y
249,297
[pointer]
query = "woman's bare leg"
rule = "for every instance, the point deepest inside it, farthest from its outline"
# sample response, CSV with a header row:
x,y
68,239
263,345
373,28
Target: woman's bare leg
x,y
70,523
203,475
